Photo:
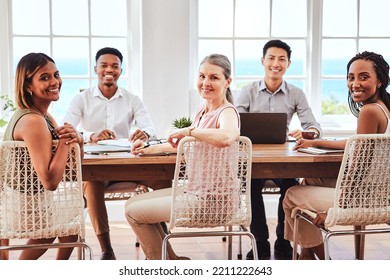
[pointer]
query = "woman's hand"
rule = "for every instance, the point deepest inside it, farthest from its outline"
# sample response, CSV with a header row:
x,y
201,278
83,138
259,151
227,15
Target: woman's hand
x,y
303,143
69,133
178,134
138,147
320,219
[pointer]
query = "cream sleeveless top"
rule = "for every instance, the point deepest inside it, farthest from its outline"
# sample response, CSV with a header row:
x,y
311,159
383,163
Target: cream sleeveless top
x,y
388,119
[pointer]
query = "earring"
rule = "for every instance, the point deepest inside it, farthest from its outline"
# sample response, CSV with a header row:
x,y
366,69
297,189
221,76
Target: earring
x,y
378,86
30,92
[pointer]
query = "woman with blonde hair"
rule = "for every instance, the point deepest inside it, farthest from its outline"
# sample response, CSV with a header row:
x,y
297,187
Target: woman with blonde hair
x,y
216,122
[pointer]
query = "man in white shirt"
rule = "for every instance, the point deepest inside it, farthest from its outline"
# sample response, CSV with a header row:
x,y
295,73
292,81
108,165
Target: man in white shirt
x,y
107,111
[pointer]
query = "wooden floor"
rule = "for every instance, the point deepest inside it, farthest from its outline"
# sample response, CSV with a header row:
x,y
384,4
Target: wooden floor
x,y
213,248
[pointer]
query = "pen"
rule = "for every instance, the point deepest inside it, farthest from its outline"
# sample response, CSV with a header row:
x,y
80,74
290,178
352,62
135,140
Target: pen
x,y
92,153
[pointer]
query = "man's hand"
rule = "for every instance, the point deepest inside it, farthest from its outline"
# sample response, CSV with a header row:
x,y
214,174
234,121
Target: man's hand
x,y
102,135
138,135
297,134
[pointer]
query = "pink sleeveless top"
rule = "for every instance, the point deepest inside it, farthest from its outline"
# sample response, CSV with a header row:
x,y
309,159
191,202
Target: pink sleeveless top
x,y
227,161
210,119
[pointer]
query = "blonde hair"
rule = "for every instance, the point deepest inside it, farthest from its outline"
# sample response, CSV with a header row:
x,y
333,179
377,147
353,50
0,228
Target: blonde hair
x,y
223,62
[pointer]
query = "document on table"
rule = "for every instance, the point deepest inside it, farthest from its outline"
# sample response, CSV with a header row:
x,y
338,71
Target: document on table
x,y
121,142
157,154
319,151
104,149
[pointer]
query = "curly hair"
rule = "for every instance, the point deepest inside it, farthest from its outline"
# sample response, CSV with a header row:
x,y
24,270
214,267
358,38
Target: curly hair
x,y
382,71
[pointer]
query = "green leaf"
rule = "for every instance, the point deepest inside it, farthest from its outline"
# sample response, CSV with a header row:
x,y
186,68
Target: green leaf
x,y
3,123
182,122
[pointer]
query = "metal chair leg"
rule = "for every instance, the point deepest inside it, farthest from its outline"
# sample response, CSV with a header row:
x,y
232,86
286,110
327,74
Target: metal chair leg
x,y
295,238
359,243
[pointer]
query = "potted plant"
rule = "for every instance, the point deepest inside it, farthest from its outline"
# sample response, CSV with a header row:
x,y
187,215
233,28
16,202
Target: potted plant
x,y
7,106
182,122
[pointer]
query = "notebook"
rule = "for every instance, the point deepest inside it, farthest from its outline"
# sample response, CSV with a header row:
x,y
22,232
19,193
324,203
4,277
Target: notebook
x,y
264,128
319,151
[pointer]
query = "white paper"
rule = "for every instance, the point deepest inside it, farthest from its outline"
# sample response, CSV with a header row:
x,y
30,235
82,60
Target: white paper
x,y
122,142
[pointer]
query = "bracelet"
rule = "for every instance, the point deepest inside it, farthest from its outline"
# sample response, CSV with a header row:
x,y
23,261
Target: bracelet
x,y
190,130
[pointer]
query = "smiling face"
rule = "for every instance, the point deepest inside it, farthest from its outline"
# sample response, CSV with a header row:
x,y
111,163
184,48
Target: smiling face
x,y
46,83
108,68
212,83
362,81
275,62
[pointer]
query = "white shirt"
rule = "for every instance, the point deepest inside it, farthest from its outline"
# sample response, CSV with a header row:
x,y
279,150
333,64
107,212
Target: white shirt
x,y
91,112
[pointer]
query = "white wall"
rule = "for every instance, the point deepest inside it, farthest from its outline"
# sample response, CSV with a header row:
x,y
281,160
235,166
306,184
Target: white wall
x,y
165,56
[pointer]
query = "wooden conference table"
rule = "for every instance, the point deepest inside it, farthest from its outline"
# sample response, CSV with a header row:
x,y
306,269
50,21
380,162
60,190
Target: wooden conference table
x,y
268,161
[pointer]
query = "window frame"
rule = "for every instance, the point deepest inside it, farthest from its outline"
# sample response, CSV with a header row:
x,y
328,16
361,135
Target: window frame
x,y
332,124
133,51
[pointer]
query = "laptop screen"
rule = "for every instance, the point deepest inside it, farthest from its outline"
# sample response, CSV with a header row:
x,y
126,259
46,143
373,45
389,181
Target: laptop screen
x,y
264,128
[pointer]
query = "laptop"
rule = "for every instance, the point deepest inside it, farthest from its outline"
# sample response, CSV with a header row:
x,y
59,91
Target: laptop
x,y
264,128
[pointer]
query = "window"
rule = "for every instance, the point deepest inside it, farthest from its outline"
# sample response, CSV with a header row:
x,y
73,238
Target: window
x,y
341,41
320,48
244,27
71,32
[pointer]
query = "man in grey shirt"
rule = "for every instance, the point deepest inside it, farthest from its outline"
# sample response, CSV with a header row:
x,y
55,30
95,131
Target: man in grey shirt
x,y
274,95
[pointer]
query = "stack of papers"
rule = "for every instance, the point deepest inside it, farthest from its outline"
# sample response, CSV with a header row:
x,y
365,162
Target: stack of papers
x,y
122,142
104,149
319,151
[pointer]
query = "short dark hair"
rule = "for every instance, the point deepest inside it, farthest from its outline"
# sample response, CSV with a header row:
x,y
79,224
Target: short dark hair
x,y
108,50
277,44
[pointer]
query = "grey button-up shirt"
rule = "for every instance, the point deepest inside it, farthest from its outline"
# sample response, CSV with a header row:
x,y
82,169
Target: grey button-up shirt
x,y
256,98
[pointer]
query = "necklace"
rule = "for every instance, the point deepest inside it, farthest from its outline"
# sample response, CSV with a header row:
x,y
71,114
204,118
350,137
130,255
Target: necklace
x,y
49,123
39,112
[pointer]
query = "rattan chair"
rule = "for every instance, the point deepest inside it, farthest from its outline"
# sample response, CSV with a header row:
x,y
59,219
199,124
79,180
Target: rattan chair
x,y
28,211
211,190
362,193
